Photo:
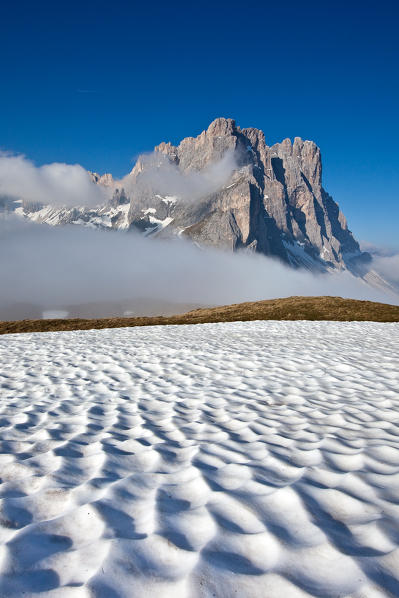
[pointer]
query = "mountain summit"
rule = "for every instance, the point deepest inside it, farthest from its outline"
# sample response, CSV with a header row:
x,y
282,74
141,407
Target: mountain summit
x,y
227,188
271,202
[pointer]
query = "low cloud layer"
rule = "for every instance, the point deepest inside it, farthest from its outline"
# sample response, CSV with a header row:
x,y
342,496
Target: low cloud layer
x,y
163,177
388,267
385,261
70,185
57,267
55,184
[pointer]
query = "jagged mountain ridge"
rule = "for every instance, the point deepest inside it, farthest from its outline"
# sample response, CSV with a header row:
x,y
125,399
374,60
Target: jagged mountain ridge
x,y
271,202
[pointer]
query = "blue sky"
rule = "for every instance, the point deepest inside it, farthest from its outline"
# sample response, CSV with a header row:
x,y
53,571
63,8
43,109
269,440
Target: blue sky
x,y
99,82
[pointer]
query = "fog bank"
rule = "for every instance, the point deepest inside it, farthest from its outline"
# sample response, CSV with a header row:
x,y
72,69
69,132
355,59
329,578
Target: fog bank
x,y
385,261
55,267
161,176
56,184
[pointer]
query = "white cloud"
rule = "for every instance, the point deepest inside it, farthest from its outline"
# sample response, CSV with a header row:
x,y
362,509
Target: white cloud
x,y
160,176
70,185
387,267
385,261
56,267
56,184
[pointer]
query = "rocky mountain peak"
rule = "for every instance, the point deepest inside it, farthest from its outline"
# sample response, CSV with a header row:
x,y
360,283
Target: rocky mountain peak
x,y
165,148
273,201
227,188
221,127
102,179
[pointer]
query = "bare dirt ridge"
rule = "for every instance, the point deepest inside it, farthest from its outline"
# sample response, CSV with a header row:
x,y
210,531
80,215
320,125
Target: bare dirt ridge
x,y
289,308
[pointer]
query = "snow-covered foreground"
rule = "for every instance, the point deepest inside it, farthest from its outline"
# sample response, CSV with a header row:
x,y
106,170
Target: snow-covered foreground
x,y
245,459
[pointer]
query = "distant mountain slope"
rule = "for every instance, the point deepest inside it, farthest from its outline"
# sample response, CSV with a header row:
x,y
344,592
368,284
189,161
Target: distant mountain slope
x,y
227,188
273,202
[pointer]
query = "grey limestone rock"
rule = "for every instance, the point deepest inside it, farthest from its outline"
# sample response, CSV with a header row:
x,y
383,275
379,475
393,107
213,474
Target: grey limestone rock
x,y
227,188
271,202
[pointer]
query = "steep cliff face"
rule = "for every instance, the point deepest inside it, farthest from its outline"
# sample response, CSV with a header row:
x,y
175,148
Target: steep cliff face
x,y
227,188
272,201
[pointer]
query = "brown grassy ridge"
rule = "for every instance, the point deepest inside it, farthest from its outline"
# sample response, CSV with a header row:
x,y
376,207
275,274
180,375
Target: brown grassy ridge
x,y
290,308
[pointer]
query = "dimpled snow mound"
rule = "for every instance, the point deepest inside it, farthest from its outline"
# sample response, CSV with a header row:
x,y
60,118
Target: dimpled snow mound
x,y
257,460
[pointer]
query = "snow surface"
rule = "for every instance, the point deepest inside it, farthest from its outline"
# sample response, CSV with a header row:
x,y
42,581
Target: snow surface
x,y
158,225
102,217
168,199
258,460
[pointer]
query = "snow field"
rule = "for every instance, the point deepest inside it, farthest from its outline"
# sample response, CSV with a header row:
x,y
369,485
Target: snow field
x,y
256,459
